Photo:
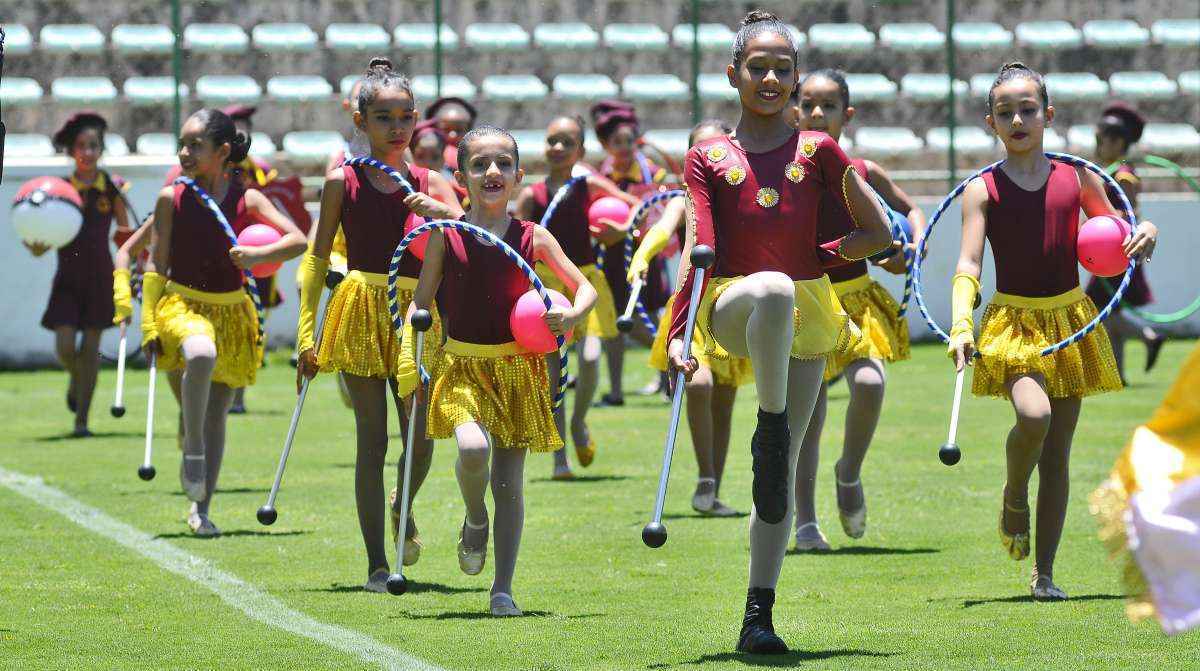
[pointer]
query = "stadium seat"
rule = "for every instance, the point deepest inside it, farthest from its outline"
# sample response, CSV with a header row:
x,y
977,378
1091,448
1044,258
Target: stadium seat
x,y
635,37
261,144
981,84
798,35
20,91
1189,82
1052,141
930,87
356,37
27,145
1048,35
715,86
215,38
674,141
18,41
425,87
77,90
115,145
284,37
1177,33
226,89
496,37
981,36
970,140
143,39
71,38
152,90
420,37
714,37
299,88
1171,138
346,83
565,36
911,37
846,142
841,37
1122,34
653,88
1081,138
1148,85
514,88
531,142
584,87
870,87
312,146
157,144
1075,87
887,140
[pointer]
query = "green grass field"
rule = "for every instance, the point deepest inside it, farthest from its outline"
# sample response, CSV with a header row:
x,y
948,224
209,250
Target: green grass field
x,y
929,587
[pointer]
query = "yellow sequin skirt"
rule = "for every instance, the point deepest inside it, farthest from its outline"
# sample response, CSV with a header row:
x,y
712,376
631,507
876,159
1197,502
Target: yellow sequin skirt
x,y
228,318
358,337
875,312
1015,330
602,318
821,326
502,387
734,371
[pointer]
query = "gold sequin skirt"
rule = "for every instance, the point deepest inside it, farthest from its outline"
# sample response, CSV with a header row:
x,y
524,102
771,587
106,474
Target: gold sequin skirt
x,y
602,318
228,318
734,371
876,313
821,326
1014,331
502,387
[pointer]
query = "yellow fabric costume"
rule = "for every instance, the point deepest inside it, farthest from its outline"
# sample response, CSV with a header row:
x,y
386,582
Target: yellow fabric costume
x,y
228,318
876,313
734,371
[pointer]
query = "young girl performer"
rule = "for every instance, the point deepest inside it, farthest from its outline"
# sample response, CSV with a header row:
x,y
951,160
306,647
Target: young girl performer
x,y
569,226
753,197
195,314
713,388
1028,211
429,151
454,117
1120,127
823,104
358,340
78,304
492,396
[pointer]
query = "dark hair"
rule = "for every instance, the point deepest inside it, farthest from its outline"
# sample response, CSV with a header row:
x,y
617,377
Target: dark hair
x,y
756,23
608,116
832,74
219,128
1018,70
379,76
1123,121
708,123
64,137
481,131
578,121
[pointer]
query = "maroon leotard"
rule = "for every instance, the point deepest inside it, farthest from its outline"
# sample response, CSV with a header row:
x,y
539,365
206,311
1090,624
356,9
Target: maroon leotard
x,y
569,225
834,221
480,285
373,221
199,245
81,295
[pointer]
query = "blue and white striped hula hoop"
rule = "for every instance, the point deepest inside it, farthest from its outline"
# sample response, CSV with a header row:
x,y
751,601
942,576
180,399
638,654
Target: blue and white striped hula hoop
x,y
251,283
488,236
942,207
387,169
899,234
559,196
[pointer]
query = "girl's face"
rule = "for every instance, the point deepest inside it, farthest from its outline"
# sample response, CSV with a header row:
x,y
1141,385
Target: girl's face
x,y
821,107
1018,117
388,121
564,143
428,152
1109,148
491,174
705,133
86,149
198,156
453,120
766,75
622,144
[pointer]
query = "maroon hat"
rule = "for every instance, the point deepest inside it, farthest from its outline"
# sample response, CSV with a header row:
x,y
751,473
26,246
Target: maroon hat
x,y
64,137
432,110
609,115
428,126
1124,119
240,112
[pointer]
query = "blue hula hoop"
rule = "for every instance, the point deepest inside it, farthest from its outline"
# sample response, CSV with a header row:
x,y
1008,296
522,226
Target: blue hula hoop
x,y
385,168
562,193
639,216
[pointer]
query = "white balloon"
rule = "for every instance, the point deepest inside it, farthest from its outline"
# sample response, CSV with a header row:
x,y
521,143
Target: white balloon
x,y
48,221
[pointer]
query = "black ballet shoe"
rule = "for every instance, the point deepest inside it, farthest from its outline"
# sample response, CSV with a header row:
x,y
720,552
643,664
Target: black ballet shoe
x,y
758,632
1153,347
769,448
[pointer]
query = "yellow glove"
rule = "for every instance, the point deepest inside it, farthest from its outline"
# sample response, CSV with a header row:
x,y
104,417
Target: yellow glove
x,y
964,291
653,242
122,296
407,377
153,286
312,282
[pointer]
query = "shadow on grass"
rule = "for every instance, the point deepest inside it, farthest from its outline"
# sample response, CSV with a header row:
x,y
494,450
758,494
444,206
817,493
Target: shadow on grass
x,y
1025,598
256,412
413,588
584,479
793,658
95,434
233,490
698,516
485,615
865,550
237,533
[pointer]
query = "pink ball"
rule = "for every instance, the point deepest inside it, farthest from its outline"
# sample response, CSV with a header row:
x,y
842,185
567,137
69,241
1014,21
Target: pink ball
x,y
1100,245
258,235
526,323
608,207
416,247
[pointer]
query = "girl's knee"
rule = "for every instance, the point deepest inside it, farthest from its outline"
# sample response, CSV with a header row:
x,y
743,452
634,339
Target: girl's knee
x,y
868,382
774,288
473,457
1033,422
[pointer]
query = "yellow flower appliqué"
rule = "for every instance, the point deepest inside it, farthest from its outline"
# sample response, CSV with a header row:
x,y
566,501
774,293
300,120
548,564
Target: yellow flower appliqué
x,y
794,172
717,153
767,197
809,147
735,175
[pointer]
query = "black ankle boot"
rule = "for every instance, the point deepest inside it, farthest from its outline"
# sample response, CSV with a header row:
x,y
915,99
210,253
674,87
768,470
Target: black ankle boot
x,y
758,633
769,448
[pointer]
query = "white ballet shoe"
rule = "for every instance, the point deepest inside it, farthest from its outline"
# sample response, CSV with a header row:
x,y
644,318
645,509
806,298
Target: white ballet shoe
x,y
503,606
201,526
377,582
192,471
471,560
854,523
702,502
810,539
1042,588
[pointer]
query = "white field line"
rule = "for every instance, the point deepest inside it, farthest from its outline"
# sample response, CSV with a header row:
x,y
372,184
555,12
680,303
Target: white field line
x,y
247,598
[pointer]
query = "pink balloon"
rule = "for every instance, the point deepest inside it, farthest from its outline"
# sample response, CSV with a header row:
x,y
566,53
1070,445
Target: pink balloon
x,y
416,247
526,323
258,235
608,207
1100,245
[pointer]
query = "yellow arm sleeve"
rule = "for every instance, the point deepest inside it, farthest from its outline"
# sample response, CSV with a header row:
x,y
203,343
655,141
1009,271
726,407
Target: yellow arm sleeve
x,y
407,376
312,281
122,296
653,242
964,291
153,286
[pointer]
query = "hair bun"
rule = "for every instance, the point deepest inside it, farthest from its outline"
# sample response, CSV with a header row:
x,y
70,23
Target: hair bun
x,y
380,62
239,147
1014,65
757,16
